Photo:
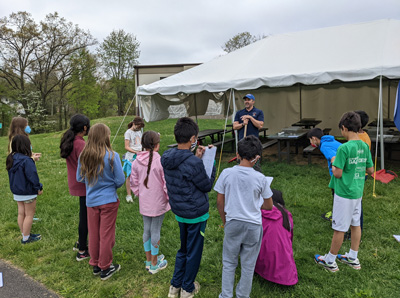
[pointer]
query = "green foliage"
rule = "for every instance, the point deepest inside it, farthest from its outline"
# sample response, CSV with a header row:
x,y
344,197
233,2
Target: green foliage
x,y
305,190
37,117
240,40
85,94
363,293
118,53
33,53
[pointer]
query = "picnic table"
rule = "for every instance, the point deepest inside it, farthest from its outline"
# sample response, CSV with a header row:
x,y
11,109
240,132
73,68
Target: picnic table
x,y
262,130
386,123
214,134
392,143
287,137
307,123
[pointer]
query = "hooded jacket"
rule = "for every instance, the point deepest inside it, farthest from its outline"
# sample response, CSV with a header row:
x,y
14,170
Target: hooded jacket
x,y
23,176
275,261
328,148
153,201
187,183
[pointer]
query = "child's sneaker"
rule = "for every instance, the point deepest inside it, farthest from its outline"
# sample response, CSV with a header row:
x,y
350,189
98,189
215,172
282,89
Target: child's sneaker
x,y
36,236
332,267
106,274
159,259
76,246
327,216
173,292
185,294
353,263
96,270
129,199
31,239
158,267
82,256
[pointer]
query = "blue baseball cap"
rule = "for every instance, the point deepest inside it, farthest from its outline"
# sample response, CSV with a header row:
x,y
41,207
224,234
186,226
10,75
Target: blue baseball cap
x,y
249,96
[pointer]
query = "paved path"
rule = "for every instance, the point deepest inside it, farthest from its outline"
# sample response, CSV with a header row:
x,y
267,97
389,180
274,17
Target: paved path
x,y
17,284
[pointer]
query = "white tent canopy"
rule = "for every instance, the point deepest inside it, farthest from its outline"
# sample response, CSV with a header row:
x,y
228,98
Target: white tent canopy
x,y
313,70
348,53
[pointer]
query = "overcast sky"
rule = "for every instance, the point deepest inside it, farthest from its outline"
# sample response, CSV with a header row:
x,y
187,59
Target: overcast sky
x,y
187,31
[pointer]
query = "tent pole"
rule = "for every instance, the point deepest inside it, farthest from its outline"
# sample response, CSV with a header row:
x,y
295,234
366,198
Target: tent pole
x,y
195,108
388,99
301,110
232,97
381,124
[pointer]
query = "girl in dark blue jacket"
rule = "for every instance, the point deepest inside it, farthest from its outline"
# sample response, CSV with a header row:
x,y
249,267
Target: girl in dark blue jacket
x,y
24,184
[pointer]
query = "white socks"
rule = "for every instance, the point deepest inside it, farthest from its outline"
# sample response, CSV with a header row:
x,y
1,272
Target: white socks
x,y
352,254
330,258
25,238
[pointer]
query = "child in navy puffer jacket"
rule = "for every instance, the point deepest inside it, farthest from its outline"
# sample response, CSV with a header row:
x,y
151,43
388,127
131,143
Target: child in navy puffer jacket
x,y
24,184
188,185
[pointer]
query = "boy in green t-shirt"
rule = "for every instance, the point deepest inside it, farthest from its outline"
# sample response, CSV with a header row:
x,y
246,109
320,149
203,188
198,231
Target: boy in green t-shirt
x,y
352,159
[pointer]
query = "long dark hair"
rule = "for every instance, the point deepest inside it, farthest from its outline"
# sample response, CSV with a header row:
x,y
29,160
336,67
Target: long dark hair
x,y
279,203
149,141
20,144
139,123
77,124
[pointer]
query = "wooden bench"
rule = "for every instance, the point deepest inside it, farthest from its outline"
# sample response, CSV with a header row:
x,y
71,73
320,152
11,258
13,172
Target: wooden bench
x,y
226,141
308,151
267,145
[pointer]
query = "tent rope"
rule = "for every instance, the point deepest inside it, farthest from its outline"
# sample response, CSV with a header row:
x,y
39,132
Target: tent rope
x,y
123,119
377,137
223,137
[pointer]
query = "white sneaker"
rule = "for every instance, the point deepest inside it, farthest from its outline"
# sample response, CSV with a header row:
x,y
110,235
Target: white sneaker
x,y
173,292
185,294
129,199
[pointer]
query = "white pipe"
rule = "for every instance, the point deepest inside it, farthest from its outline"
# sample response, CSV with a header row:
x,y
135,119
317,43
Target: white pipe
x,y
381,124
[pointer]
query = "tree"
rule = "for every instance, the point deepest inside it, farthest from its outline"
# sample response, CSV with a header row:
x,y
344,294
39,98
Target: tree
x,y
62,40
118,53
31,54
240,40
19,38
85,93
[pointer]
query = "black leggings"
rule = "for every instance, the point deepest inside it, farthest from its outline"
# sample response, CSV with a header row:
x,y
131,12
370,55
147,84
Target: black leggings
x,y
83,225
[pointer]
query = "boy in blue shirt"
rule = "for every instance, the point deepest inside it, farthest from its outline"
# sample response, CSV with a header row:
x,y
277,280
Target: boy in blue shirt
x,y
188,185
353,158
242,193
328,147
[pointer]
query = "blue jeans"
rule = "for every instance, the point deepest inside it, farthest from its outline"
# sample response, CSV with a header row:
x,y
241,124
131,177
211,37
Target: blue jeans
x,y
188,258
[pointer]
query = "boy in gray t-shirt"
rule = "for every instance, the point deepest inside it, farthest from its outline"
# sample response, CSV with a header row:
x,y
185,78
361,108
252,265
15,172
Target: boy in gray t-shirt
x,y
242,193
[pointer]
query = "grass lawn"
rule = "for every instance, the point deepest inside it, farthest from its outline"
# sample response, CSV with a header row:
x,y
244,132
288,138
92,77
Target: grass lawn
x,y
305,189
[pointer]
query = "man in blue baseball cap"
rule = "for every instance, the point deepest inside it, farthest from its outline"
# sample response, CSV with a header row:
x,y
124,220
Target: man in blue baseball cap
x,y
250,116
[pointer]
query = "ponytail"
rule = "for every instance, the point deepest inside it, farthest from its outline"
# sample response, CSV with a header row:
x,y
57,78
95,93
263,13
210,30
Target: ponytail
x,y
9,161
279,203
77,125
149,141
67,143
149,167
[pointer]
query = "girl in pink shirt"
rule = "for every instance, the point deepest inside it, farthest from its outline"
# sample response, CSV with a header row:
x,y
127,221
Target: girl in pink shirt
x,y
148,183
